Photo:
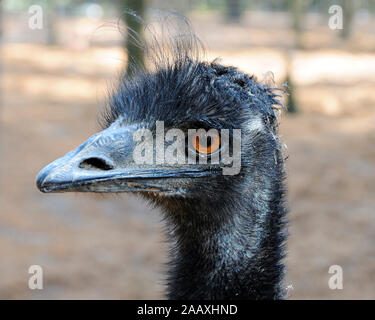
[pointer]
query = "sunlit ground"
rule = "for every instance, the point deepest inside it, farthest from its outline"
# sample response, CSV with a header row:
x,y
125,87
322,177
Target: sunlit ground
x,y
112,247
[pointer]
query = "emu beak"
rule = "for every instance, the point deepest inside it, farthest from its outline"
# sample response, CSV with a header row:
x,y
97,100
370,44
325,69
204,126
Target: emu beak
x,y
104,163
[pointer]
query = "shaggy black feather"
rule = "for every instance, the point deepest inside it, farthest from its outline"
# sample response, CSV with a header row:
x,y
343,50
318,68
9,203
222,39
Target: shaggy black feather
x,y
227,232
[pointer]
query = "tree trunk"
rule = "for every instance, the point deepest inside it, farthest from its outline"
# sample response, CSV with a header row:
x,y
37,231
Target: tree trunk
x,y
348,9
135,54
233,10
291,105
51,17
296,8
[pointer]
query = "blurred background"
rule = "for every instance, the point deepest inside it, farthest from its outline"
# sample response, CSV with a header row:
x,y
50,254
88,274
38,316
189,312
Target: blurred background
x,y
53,80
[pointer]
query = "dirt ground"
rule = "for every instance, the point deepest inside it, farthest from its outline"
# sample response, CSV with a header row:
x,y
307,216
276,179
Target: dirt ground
x,y
95,246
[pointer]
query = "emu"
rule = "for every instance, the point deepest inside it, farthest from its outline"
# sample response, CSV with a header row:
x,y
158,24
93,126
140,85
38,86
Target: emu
x,y
227,232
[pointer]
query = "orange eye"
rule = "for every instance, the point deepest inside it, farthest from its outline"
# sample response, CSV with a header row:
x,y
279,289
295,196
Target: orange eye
x,y
212,145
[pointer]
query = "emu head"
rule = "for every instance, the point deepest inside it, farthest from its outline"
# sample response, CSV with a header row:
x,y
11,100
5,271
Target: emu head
x,y
179,92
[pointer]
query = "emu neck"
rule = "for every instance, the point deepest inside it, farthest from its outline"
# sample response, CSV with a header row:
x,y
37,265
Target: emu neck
x,y
228,250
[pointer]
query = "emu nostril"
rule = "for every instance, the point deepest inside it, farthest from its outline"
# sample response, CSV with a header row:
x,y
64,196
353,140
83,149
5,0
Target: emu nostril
x,y
95,164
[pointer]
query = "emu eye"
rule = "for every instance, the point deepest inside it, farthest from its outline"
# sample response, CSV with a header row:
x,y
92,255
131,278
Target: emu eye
x,y
212,145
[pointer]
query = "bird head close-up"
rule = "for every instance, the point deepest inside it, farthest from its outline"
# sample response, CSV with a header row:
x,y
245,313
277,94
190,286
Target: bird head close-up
x,y
200,139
